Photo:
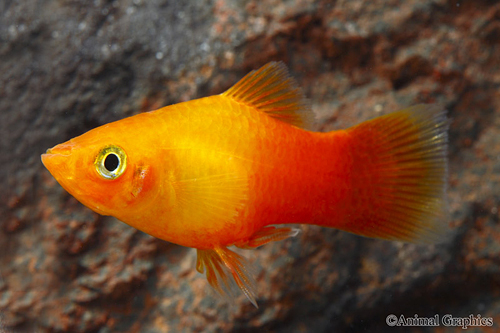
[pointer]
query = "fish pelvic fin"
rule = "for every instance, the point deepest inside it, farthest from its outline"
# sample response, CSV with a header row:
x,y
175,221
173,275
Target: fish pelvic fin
x,y
272,90
400,176
227,272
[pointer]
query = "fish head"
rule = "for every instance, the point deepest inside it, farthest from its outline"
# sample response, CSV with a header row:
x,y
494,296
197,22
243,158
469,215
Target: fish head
x,y
108,169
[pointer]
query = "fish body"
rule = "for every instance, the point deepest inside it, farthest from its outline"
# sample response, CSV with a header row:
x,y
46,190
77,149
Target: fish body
x,y
225,170
235,170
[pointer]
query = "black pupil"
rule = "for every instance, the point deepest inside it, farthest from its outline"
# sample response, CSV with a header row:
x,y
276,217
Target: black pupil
x,y
111,162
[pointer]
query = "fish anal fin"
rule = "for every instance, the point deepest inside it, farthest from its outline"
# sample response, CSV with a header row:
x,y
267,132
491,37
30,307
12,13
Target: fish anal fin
x,y
266,235
227,272
272,90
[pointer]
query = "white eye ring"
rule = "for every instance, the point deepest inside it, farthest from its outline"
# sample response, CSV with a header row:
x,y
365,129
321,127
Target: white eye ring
x,y
111,162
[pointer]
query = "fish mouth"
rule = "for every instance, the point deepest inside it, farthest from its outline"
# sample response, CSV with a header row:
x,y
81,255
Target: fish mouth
x,y
61,161
56,160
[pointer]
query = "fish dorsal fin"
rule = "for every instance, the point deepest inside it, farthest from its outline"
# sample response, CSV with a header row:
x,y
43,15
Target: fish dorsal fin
x,y
272,90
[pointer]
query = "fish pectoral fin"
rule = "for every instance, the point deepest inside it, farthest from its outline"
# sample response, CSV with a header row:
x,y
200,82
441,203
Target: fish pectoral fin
x,y
212,197
272,90
266,235
227,272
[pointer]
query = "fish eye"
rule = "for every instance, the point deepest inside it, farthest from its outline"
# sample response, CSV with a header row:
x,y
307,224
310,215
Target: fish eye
x,y
111,162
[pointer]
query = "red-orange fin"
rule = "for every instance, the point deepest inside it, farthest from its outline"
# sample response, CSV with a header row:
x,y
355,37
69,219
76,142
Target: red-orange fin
x,y
227,272
400,173
266,235
272,90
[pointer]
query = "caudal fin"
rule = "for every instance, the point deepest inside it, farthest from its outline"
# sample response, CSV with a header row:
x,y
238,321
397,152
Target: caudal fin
x,y
400,176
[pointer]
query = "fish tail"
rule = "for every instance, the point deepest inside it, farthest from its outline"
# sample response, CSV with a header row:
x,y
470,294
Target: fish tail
x,y
399,176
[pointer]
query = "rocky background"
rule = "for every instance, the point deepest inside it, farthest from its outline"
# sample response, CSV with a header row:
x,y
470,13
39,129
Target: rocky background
x,y
67,66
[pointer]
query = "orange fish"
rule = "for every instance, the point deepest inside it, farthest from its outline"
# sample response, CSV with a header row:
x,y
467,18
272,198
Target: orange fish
x,y
227,169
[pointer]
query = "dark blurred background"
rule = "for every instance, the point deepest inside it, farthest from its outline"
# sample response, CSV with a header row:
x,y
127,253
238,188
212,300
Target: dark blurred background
x,y
67,66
